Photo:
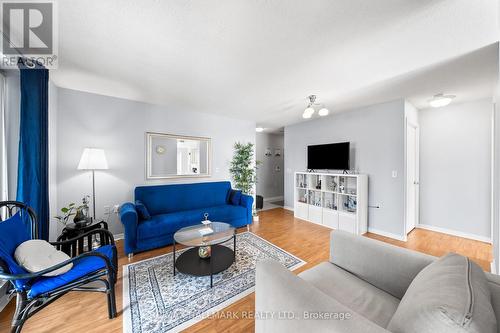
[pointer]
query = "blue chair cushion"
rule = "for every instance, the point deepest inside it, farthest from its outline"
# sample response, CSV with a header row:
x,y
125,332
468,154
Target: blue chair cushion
x,y
13,232
81,268
142,210
235,197
165,224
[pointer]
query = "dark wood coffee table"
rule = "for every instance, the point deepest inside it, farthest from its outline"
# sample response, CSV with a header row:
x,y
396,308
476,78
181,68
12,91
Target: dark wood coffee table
x,y
221,258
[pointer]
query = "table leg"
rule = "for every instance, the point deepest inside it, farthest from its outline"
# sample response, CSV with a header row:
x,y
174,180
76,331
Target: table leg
x,y
234,247
174,258
211,270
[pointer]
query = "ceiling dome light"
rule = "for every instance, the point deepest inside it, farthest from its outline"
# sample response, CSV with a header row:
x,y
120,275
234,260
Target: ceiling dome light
x,y
259,129
441,100
308,113
323,112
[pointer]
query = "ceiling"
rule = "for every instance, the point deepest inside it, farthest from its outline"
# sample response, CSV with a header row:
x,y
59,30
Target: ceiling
x,y
258,60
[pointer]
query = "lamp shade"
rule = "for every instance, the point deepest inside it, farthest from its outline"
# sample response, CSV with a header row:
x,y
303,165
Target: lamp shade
x,y
93,159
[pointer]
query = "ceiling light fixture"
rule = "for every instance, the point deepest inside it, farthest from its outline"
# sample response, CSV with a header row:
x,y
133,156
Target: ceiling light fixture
x,y
309,111
259,129
441,100
323,112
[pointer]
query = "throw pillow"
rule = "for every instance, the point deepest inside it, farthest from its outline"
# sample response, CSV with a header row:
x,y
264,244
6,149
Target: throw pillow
x,y
142,210
235,197
36,255
449,295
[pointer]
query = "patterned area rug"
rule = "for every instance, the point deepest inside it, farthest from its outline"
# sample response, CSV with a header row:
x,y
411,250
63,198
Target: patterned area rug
x,y
156,301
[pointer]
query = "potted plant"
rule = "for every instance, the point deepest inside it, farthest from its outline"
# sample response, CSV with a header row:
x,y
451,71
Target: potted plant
x,y
80,213
244,170
66,213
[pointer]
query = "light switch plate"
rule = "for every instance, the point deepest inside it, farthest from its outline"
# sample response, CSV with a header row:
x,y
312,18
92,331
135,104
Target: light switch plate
x,y
394,174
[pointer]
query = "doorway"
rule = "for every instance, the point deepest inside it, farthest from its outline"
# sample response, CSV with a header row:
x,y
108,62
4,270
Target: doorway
x,y
412,176
270,176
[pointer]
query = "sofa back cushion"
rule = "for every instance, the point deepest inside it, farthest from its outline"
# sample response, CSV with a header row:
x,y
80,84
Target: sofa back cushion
x,y
494,284
449,295
163,199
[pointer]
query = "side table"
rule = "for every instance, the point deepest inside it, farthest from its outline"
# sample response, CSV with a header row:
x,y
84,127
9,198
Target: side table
x,y
73,230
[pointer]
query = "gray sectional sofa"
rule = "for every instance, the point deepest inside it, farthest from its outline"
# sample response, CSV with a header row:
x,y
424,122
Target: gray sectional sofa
x,y
371,286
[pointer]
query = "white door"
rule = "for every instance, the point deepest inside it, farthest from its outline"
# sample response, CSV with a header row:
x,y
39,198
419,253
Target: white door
x,y
412,176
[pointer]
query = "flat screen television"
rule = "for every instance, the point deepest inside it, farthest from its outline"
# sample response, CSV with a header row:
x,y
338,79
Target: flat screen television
x,y
332,156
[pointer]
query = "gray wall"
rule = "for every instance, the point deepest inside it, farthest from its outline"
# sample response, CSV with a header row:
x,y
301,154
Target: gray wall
x,y
269,181
455,167
376,134
118,126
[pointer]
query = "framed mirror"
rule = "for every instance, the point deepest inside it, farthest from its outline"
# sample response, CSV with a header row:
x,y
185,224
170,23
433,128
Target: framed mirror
x,y
177,156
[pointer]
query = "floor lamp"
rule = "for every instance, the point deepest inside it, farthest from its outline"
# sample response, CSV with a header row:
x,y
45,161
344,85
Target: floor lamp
x,y
93,159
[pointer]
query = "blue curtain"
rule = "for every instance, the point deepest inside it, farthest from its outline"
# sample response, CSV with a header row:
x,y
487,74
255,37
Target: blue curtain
x,y
33,163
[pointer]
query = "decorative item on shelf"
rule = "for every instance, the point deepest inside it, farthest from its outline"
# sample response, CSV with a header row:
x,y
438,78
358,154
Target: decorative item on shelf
x,y
268,152
318,184
277,152
204,252
342,189
328,204
277,168
350,204
334,185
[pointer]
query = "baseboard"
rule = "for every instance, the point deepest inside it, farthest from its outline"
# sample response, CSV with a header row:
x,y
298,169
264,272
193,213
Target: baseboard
x,y
454,233
387,234
274,199
288,208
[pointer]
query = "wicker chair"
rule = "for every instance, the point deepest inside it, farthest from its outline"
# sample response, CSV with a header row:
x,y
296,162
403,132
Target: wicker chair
x,y
34,291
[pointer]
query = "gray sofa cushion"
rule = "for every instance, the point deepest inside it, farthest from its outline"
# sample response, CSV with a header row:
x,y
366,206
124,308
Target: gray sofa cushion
x,y
388,267
358,295
494,284
449,295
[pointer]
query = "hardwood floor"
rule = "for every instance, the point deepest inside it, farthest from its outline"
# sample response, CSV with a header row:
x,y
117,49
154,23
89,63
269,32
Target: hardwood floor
x,y
87,312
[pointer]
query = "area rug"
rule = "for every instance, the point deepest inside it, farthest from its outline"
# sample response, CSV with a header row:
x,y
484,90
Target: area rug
x,y
154,301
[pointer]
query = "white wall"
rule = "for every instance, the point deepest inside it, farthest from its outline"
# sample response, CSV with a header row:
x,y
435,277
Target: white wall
x,y
269,181
118,126
54,228
376,134
13,104
455,168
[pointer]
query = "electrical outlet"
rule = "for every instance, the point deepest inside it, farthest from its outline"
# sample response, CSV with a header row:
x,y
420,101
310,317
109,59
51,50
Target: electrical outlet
x,y
107,210
394,174
116,208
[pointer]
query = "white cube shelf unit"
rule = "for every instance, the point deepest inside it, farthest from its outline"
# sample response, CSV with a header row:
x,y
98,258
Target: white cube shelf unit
x,y
335,200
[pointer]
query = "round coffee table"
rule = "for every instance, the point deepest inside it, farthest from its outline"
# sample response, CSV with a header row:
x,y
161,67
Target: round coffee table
x,y
221,258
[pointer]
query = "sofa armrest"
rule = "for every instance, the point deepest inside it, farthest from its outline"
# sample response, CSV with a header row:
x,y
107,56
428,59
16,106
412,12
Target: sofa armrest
x,y
387,267
129,219
247,202
286,303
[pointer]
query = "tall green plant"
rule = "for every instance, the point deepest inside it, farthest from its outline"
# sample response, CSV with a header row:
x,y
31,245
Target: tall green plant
x,y
243,169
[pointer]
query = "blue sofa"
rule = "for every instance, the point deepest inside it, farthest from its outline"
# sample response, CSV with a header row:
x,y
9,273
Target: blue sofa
x,y
173,207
